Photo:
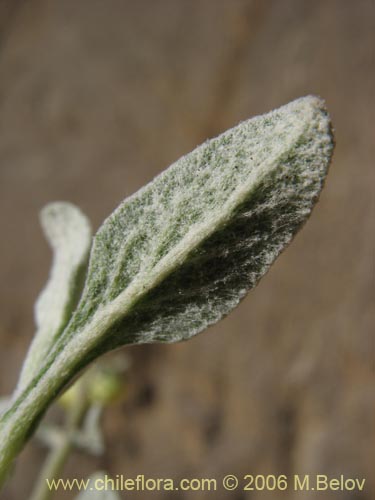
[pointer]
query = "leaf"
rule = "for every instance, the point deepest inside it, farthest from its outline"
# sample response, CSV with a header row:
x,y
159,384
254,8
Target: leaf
x,y
183,251
5,402
96,491
68,232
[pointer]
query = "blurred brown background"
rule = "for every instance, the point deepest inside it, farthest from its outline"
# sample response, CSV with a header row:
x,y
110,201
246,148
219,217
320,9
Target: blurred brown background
x,y
96,98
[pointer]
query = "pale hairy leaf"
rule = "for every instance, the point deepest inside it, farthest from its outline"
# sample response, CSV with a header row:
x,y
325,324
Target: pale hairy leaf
x,y
183,251
5,402
68,232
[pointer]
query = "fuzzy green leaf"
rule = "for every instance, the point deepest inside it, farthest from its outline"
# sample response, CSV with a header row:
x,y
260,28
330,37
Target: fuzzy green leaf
x,y
182,252
68,232
5,402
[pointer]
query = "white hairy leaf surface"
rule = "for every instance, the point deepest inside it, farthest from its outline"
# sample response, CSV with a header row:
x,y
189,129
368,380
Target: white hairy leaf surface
x,y
68,232
183,251
5,402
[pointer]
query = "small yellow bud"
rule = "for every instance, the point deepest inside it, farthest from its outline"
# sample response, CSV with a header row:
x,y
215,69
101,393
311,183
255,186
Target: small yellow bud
x,y
104,387
70,397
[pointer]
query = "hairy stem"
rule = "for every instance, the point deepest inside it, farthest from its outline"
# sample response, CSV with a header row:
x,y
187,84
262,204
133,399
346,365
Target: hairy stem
x,y
21,419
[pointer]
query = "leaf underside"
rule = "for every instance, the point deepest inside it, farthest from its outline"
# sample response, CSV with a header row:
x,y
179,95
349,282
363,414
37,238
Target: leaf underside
x,y
182,252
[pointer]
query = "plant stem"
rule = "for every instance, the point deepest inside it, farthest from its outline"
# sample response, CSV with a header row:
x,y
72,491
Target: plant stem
x,y
18,423
58,455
